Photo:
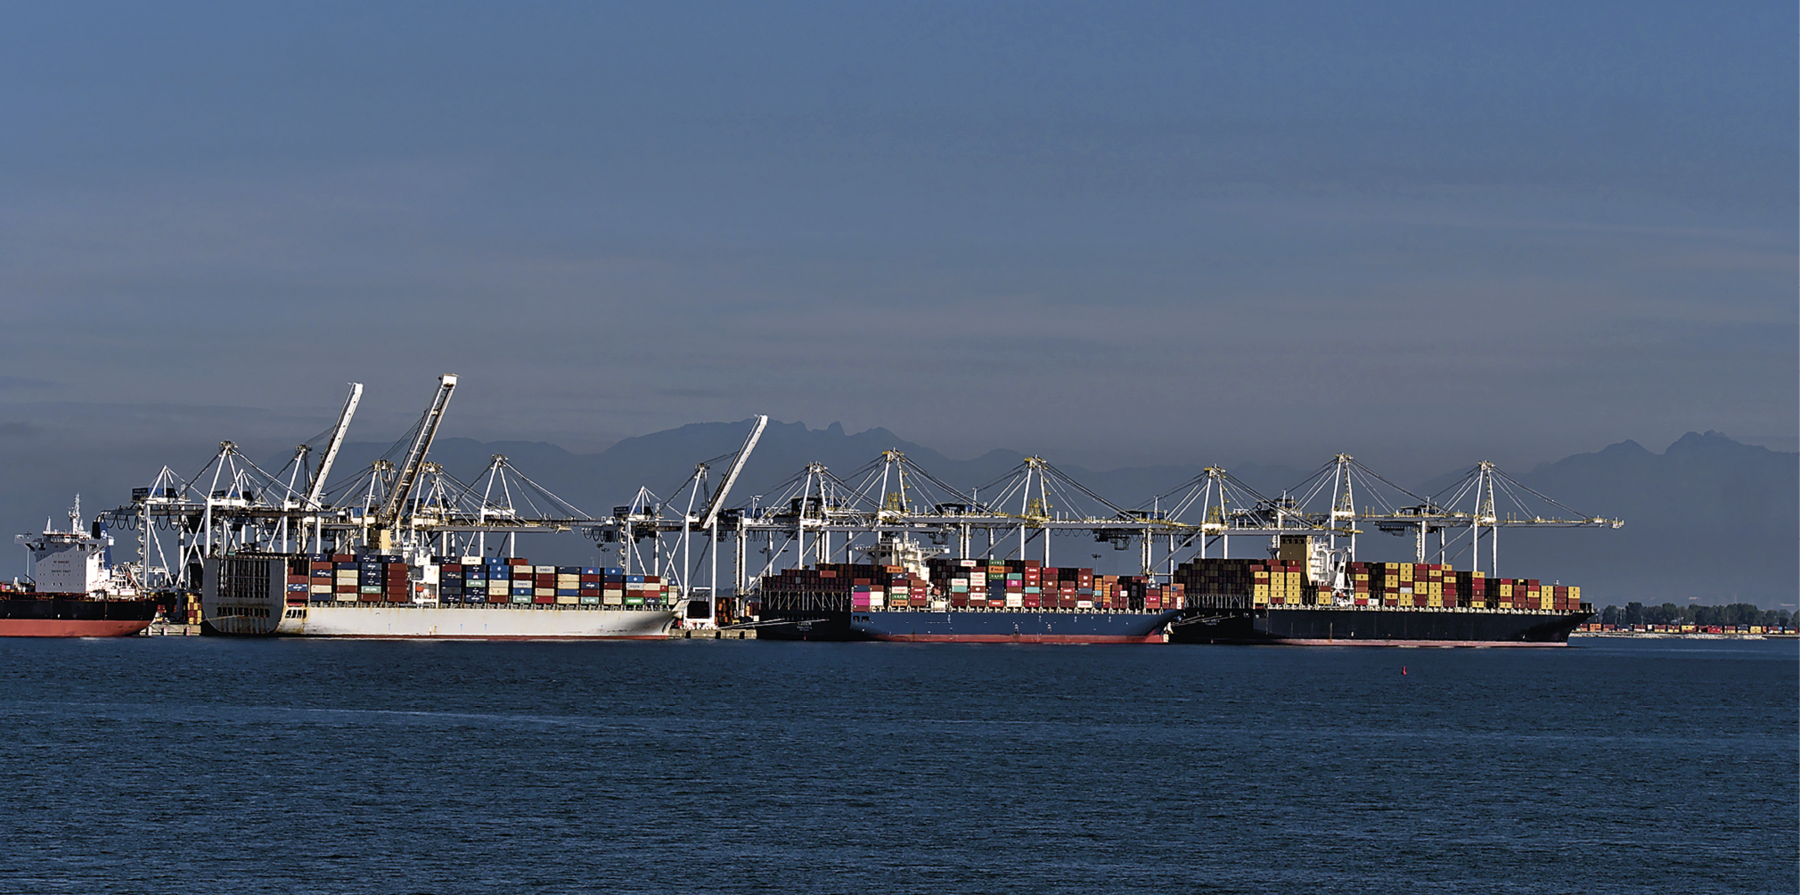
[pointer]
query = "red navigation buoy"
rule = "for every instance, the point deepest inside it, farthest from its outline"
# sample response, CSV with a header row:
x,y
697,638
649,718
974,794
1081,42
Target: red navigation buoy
x,y
1403,671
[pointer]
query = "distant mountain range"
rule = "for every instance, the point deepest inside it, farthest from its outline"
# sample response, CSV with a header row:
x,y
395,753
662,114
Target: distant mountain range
x,y
1709,518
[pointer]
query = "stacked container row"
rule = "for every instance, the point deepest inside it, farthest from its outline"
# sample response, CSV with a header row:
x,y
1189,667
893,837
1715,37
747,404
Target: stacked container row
x,y
343,578
1243,583
513,580
962,584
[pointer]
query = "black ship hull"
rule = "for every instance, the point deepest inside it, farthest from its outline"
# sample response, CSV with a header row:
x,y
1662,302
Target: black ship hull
x,y
1359,626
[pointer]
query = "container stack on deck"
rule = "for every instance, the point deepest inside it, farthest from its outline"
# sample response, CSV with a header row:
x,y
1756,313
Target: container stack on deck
x,y
1243,583
1029,584
473,579
1251,583
342,578
963,584
838,587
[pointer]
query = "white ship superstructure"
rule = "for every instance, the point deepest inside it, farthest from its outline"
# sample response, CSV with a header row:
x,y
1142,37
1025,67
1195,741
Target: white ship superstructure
x,y
74,561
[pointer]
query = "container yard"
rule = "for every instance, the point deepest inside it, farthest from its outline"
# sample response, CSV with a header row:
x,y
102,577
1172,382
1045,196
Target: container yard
x,y
890,551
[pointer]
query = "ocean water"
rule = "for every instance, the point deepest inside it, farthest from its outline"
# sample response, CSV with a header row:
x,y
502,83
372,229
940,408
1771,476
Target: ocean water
x,y
202,765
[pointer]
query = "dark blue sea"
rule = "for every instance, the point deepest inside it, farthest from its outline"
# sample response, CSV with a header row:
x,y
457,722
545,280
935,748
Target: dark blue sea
x,y
203,765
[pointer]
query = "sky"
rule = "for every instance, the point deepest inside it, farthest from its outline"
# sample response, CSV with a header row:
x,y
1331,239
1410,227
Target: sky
x,y
1113,234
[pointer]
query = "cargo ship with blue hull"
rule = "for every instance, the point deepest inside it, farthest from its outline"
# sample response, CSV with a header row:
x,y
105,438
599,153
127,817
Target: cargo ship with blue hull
x,y
1291,599
900,595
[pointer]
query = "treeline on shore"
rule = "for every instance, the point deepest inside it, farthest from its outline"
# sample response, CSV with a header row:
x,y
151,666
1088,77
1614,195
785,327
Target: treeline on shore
x,y
1703,616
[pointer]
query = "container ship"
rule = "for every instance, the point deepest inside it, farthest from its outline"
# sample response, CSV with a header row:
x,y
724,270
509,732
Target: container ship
x,y
467,597
900,596
74,591
1369,603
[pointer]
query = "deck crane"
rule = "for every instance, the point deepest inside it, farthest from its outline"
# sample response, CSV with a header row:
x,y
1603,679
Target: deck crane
x,y
387,517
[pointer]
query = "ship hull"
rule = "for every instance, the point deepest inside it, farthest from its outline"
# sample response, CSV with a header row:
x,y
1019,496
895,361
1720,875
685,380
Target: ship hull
x,y
416,622
1347,626
74,617
475,623
965,626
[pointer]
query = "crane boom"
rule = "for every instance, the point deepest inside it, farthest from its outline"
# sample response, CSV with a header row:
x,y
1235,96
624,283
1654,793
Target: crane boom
x,y
317,486
408,473
737,465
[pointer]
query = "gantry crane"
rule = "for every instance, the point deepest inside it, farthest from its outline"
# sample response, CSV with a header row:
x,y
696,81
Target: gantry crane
x,y
389,516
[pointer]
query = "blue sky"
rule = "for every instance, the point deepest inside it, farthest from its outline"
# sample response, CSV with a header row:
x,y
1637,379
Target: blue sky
x,y
1113,234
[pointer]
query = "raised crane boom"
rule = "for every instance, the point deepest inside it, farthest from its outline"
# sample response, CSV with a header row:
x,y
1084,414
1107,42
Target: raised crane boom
x,y
408,473
737,465
317,487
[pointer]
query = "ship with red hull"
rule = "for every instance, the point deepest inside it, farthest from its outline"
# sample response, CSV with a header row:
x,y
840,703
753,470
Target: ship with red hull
x,y
74,591
73,615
